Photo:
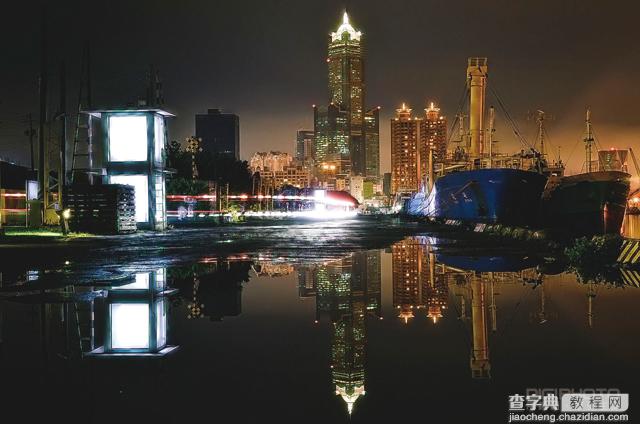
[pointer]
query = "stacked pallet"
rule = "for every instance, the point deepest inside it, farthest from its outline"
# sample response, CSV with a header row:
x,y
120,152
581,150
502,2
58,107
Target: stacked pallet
x,y
101,209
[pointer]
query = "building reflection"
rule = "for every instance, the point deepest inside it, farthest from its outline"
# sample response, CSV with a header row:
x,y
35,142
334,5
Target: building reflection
x,y
134,320
422,281
212,288
417,281
347,291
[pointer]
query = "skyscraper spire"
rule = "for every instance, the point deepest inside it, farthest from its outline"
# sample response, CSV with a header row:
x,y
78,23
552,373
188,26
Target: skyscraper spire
x,y
346,27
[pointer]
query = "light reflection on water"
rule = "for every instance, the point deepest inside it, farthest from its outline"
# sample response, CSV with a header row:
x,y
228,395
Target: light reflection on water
x,y
374,335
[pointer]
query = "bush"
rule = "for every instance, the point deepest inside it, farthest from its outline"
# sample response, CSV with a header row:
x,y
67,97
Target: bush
x,y
594,259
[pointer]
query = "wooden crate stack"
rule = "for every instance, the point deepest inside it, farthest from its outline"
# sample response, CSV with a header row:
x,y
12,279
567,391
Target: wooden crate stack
x,y
101,209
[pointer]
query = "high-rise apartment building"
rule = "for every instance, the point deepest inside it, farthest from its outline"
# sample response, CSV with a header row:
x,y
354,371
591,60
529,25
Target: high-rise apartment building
x,y
433,132
405,159
411,139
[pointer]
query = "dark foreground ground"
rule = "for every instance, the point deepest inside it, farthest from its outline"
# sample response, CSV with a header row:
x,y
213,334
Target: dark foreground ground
x,y
107,258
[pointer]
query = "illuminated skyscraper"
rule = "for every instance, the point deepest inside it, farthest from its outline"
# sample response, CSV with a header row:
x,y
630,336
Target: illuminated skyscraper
x,y
411,139
405,159
372,143
433,133
344,137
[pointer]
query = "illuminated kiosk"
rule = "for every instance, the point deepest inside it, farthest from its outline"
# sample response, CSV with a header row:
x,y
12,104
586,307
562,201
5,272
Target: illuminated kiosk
x,y
133,154
135,318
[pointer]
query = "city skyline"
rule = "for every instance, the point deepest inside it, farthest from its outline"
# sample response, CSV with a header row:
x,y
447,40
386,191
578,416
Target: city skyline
x,y
551,42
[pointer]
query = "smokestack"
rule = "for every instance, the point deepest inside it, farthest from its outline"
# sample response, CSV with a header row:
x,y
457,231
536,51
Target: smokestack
x,y
477,80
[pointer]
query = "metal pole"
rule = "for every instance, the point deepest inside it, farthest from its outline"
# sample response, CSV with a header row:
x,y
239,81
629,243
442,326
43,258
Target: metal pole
x,y
31,134
588,140
43,114
491,130
62,173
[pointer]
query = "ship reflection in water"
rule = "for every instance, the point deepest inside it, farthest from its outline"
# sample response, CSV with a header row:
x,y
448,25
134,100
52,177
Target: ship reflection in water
x,y
374,335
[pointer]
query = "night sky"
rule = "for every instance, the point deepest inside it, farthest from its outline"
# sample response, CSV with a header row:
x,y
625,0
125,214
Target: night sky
x,y
265,61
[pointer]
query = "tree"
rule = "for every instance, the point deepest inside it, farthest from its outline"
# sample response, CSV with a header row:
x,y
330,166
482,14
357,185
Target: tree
x,y
178,159
220,168
224,169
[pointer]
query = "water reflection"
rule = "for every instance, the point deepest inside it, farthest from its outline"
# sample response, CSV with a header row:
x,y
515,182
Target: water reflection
x,y
134,318
346,292
212,288
418,284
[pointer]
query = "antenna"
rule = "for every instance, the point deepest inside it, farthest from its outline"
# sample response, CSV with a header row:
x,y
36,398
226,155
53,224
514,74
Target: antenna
x,y
588,140
541,117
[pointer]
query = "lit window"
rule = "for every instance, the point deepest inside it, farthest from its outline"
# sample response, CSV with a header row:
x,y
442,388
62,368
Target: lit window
x,y
140,185
127,138
158,138
130,326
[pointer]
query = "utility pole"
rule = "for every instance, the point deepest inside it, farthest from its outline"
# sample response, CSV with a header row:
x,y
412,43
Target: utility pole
x,y
42,180
31,133
62,173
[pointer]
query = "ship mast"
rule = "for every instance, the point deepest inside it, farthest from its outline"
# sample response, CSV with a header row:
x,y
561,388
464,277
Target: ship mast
x,y
477,78
492,118
588,140
541,131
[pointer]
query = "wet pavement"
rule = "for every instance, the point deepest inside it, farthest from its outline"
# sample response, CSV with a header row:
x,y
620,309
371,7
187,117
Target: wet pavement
x,y
358,321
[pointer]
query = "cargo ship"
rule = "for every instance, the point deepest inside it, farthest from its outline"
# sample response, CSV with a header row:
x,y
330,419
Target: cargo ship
x,y
592,202
478,186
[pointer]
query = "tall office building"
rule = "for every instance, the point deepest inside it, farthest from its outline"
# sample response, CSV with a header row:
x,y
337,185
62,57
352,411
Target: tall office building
x,y
372,143
220,132
304,146
345,138
411,139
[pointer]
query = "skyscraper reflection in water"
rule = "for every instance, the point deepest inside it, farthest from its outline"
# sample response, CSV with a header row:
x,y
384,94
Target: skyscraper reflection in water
x,y
417,282
347,291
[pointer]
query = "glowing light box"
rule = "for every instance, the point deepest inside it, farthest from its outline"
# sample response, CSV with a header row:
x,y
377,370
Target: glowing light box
x,y
128,138
141,186
130,325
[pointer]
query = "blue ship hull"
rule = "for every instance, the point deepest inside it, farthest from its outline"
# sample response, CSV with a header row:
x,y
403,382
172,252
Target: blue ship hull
x,y
494,195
